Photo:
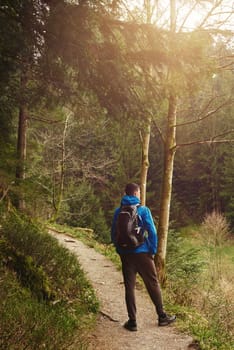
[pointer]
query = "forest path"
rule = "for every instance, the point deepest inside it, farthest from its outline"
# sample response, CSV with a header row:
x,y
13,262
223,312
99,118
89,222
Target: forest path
x,y
108,284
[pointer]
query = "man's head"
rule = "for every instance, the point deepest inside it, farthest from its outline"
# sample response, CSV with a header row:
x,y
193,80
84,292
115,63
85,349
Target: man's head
x,y
132,189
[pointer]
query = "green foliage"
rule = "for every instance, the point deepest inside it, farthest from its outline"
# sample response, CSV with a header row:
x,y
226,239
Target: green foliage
x,y
184,267
69,56
30,275
202,283
27,323
227,192
84,209
31,240
35,267
208,334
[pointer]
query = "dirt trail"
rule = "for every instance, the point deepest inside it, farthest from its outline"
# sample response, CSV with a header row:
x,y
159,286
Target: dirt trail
x,y
108,284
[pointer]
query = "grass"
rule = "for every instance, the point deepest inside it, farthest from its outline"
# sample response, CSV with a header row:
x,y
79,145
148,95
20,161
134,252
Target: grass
x,y
27,323
211,294
228,252
46,300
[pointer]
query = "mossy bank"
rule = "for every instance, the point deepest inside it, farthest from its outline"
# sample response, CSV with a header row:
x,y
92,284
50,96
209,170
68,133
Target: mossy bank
x,y
46,300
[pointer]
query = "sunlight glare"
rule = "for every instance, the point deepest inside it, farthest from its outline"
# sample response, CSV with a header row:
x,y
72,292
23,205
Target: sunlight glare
x,y
190,15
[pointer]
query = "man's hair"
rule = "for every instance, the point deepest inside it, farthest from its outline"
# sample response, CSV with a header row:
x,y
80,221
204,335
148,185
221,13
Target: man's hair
x,y
131,188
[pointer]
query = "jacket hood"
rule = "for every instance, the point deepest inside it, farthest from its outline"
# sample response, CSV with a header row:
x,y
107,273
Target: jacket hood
x,y
130,200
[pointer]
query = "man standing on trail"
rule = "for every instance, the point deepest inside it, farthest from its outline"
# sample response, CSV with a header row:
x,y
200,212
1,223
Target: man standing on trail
x,y
139,258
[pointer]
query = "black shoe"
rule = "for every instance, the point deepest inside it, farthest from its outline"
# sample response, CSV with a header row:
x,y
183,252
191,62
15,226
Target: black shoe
x,y
166,320
130,325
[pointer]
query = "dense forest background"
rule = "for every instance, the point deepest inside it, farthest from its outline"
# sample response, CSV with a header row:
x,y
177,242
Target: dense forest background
x,y
80,81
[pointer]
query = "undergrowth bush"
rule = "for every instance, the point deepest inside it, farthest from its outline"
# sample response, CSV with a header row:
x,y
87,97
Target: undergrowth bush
x,y
214,229
184,267
200,281
84,209
33,263
27,323
218,280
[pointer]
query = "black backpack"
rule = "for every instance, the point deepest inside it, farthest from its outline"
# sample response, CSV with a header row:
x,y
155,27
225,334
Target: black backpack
x,y
128,234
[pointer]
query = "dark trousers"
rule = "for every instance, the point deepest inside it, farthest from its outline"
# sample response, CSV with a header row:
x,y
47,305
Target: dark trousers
x,y
143,264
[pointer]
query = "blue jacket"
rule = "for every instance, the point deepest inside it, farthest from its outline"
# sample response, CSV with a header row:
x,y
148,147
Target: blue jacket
x,y
147,224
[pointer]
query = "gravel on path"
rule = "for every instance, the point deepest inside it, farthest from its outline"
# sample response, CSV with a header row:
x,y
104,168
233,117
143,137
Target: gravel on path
x,y
108,284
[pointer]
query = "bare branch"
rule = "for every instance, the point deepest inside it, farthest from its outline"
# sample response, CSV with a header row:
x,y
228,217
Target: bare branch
x,y
128,11
44,120
224,32
209,142
159,131
208,114
223,134
4,190
103,164
226,66
44,186
187,16
210,13
141,137
4,193
229,13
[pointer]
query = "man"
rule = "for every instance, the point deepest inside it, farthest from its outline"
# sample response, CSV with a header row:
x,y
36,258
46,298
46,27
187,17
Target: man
x,y
140,260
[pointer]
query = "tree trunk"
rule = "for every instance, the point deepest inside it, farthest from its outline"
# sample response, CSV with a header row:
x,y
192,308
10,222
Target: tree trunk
x,y
145,160
57,205
21,154
169,153
147,131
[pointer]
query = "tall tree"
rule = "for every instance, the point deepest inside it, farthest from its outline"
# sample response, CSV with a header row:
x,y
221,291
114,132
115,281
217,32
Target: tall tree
x,y
148,6
21,40
170,145
188,41
169,154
